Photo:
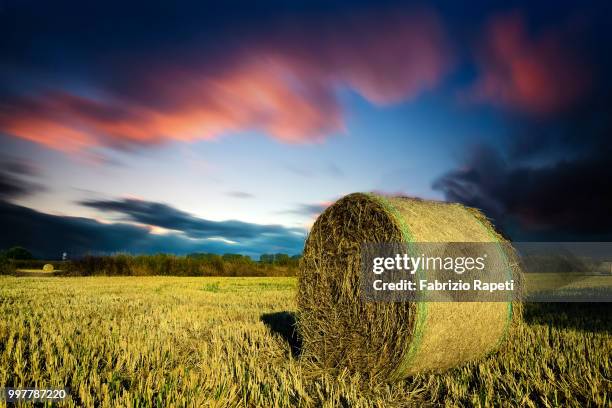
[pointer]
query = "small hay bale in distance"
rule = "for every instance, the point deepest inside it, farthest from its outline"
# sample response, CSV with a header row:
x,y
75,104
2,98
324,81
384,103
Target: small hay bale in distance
x,y
48,268
390,341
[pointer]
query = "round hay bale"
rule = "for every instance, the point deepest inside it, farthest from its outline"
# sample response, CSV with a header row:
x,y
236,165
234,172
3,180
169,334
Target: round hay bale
x,y
48,268
390,340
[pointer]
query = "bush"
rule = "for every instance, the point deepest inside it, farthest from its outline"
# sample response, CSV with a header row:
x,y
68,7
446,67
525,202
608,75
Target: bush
x,y
6,267
18,253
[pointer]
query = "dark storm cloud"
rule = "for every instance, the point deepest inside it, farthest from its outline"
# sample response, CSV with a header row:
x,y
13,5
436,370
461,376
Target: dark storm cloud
x,y
47,236
15,179
569,198
166,216
50,235
550,180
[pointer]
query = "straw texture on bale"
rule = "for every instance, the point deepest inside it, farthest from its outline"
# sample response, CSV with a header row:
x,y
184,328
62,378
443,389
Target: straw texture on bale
x,y
390,340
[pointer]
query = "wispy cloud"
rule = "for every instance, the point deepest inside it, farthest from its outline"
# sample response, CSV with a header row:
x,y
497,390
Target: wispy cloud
x,y
16,178
538,74
315,170
165,216
308,209
239,194
282,81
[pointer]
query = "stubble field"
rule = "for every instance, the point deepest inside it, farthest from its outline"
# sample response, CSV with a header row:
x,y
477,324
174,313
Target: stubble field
x,y
178,341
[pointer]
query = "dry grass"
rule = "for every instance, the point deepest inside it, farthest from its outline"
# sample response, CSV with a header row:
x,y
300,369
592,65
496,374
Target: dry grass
x,y
170,341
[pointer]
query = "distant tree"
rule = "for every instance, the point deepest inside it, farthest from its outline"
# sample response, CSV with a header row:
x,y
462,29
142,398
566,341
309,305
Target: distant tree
x,y
266,258
203,255
295,260
231,257
281,259
18,253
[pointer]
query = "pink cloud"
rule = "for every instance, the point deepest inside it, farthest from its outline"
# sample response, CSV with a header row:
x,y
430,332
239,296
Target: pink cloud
x,y
283,84
536,74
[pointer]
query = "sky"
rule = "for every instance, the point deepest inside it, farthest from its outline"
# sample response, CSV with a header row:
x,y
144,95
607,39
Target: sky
x,y
229,126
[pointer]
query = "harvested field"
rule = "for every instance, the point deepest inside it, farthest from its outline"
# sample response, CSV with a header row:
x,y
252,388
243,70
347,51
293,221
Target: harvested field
x,y
162,341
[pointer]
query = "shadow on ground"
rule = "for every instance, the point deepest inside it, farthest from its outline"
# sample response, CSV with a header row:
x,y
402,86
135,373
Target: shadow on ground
x,y
595,317
284,324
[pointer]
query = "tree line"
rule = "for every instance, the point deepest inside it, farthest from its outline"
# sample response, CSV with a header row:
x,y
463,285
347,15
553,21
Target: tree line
x,y
194,264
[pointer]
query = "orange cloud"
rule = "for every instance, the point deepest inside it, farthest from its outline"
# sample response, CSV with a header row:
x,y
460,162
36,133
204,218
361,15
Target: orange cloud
x,y
284,85
534,74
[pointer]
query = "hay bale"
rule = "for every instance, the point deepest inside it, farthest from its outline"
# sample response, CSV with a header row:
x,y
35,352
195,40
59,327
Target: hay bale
x,y
48,268
390,341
